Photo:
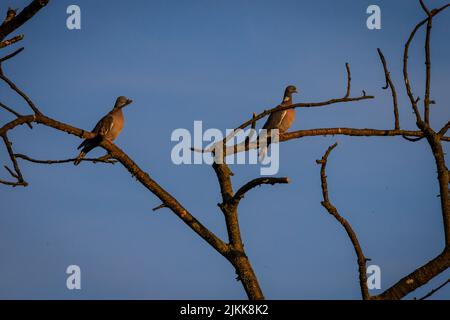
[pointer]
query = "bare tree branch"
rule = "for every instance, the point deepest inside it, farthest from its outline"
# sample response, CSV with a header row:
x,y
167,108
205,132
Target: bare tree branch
x,y
351,234
17,174
444,130
428,271
11,41
18,115
417,278
236,255
258,182
293,106
429,294
19,92
15,21
349,80
163,205
424,7
11,55
426,101
390,84
354,132
405,64
103,159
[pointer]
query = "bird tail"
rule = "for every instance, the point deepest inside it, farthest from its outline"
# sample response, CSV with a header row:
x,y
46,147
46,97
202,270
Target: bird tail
x,y
85,142
263,143
87,146
262,153
80,156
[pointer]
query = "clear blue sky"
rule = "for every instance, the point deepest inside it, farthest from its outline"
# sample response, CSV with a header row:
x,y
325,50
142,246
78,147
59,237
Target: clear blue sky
x,y
218,61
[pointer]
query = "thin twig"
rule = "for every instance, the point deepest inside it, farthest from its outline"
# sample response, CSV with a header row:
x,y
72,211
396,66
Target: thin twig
x,y
11,55
19,92
349,80
104,159
412,139
426,101
163,205
18,115
405,64
258,182
424,7
390,84
17,174
429,294
444,130
11,41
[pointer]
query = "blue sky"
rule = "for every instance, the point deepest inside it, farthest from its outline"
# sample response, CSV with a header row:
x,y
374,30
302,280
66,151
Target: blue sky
x,y
219,61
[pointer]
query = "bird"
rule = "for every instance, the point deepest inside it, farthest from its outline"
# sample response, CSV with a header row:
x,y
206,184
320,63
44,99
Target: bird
x,y
109,127
281,120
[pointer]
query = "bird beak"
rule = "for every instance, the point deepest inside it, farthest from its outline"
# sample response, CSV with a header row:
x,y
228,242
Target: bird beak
x,y
295,91
129,101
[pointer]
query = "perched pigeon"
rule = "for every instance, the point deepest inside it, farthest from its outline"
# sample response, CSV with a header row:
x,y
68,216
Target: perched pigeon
x,y
281,120
109,127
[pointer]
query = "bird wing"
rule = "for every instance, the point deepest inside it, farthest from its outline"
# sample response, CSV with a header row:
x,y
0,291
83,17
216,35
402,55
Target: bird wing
x,y
104,125
275,120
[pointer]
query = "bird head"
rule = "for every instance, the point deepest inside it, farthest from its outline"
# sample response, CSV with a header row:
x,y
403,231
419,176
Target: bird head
x,y
122,102
289,91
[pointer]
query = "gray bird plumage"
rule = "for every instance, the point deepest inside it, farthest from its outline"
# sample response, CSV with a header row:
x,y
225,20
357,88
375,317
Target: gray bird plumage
x,y
281,120
109,127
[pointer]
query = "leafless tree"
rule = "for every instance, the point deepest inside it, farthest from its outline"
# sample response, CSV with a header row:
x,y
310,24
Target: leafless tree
x,y
233,248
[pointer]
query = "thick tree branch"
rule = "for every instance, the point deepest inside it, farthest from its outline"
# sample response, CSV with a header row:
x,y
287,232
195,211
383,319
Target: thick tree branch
x,y
17,21
354,132
351,234
237,255
418,278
